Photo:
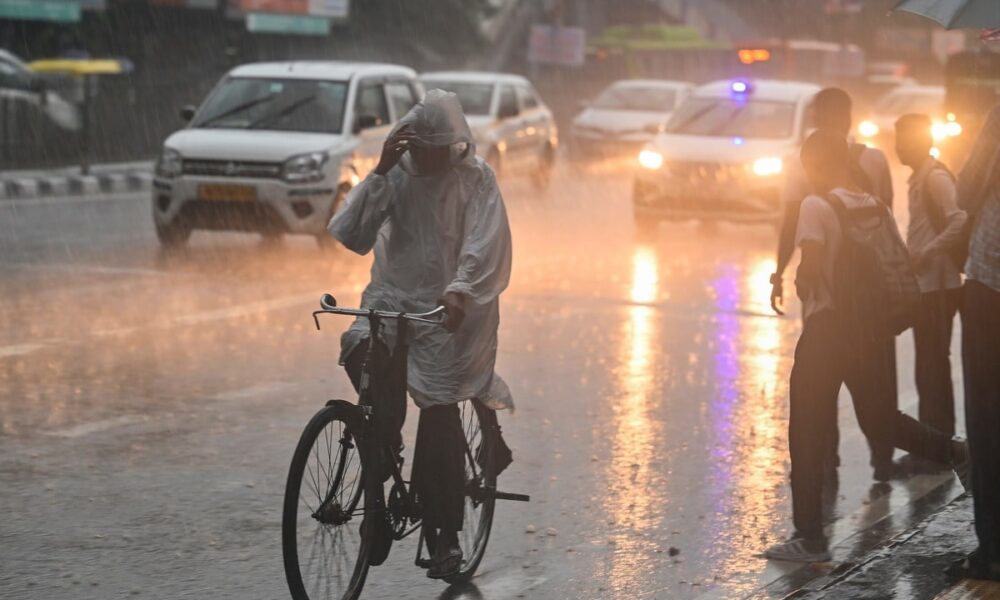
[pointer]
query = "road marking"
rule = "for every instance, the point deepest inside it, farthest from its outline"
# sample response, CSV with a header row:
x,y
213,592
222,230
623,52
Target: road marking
x,y
90,269
97,426
200,318
253,391
20,349
15,204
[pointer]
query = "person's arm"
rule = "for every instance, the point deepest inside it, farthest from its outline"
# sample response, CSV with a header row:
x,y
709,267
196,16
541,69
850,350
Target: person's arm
x,y
811,238
810,273
980,170
484,261
368,205
884,191
357,223
941,191
792,193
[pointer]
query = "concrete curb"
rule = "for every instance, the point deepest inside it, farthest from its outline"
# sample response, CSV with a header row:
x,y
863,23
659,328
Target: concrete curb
x,y
104,179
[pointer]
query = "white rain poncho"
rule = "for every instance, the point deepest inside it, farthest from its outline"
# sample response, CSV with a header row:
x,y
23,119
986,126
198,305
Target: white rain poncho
x,y
433,235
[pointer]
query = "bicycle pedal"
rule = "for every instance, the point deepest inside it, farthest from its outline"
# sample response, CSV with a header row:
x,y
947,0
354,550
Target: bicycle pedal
x,y
423,563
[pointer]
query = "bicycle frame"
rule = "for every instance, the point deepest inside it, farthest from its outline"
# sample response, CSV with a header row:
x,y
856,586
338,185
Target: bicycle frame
x,y
408,511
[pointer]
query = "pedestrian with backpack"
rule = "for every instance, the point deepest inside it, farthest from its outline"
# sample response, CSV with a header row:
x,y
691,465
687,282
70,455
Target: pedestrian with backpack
x,y
869,170
935,232
858,291
979,196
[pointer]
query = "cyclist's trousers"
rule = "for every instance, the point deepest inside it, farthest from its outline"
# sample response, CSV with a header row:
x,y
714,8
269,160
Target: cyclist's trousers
x,y
439,457
439,467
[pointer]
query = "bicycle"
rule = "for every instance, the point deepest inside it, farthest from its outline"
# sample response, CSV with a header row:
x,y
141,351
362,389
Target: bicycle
x,y
348,520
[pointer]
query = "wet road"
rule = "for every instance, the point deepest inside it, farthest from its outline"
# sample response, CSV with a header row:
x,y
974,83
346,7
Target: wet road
x,y
149,406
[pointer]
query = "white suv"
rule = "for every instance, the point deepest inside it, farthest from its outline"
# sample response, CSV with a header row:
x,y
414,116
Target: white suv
x,y
275,147
513,129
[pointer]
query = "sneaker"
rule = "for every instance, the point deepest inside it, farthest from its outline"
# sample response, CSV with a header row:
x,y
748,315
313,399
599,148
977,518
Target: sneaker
x,y
961,463
799,550
885,472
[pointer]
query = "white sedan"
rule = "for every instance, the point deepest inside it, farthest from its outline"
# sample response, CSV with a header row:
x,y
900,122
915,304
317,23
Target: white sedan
x,y
513,128
723,154
625,116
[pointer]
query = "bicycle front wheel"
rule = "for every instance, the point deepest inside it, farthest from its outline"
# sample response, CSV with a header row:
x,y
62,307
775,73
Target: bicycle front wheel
x,y
324,545
479,423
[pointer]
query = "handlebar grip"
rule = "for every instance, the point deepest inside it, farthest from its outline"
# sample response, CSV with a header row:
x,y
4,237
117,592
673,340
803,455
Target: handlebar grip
x,y
327,302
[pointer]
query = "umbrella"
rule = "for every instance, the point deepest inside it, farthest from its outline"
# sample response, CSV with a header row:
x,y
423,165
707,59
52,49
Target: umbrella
x,y
956,14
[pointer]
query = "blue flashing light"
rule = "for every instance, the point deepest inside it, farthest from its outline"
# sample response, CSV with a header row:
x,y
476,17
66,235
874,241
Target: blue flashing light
x,y
739,87
737,141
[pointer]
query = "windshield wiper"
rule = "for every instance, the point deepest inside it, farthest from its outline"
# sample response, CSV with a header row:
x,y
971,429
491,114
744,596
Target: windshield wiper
x,y
294,106
236,109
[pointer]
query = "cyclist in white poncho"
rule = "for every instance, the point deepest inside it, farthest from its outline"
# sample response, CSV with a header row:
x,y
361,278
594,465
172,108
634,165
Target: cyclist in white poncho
x,y
433,214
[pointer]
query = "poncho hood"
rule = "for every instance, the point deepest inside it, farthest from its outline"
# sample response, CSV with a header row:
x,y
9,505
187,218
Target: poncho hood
x,y
438,120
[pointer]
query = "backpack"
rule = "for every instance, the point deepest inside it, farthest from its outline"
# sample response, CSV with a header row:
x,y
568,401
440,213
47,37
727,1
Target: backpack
x,y
958,253
874,287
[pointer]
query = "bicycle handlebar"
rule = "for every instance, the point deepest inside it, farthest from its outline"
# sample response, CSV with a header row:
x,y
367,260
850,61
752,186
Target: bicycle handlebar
x,y
328,305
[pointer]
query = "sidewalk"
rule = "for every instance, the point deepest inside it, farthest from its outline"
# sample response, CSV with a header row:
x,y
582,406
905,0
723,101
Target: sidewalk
x,y
67,181
911,565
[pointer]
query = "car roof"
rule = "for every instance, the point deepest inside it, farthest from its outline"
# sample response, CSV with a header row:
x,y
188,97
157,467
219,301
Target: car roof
x,y
651,83
473,77
319,69
763,89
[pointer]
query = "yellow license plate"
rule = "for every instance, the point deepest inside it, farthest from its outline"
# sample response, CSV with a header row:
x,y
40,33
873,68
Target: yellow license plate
x,y
224,191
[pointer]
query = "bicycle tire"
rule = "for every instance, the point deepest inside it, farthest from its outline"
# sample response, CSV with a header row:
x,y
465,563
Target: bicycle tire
x,y
349,416
482,520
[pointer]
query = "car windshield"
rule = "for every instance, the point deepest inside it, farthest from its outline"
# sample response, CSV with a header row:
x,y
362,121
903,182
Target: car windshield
x,y
305,105
475,98
636,98
724,117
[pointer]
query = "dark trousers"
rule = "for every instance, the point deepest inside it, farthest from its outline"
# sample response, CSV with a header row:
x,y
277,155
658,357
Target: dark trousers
x,y
932,341
439,467
826,358
438,459
981,366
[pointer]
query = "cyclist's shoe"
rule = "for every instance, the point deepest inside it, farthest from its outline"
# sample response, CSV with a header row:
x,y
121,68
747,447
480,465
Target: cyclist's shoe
x,y
447,565
799,549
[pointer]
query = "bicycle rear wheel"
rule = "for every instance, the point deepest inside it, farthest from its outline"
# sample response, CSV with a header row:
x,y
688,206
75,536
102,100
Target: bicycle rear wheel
x,y
325,547
479,424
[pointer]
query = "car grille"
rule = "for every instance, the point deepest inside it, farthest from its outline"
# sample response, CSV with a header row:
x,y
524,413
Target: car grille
x,y
232,168
701,172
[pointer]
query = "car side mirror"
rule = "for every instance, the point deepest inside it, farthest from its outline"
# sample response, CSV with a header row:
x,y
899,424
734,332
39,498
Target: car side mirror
x,y
187,112
366,121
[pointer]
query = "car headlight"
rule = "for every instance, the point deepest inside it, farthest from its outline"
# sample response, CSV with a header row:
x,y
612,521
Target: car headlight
x,y
169,164
939,131
868,129
304,168
650,159
767,166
